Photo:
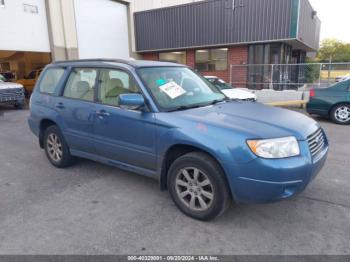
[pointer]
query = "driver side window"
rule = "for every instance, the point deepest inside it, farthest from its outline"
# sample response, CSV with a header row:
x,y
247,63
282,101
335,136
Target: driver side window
x,y
114,83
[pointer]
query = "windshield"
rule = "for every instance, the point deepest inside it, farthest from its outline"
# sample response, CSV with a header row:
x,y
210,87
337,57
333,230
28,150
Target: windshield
x,y
176,88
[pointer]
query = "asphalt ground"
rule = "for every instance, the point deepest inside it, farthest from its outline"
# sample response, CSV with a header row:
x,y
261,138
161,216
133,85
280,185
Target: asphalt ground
x,y
91,208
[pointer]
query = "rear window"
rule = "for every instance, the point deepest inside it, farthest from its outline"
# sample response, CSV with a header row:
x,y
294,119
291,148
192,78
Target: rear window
x,y
50,80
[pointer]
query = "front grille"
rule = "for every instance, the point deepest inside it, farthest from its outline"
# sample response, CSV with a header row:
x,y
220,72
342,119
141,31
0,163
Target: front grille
x,y
316,141
12,94
11,91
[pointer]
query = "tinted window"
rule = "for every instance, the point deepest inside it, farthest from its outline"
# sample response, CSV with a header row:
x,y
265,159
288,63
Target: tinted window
x,y
80,84
112,84
32,75
50,80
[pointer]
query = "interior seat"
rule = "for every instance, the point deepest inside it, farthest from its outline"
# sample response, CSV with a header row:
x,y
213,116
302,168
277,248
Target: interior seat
x,y
115,87
81,89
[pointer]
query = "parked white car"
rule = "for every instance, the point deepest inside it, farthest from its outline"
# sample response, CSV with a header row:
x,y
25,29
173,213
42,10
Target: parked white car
x,y
342,78
12,93
229,91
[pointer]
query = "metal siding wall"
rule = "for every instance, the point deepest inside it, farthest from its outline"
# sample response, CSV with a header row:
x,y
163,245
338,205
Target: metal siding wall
x,y
212,22
309,29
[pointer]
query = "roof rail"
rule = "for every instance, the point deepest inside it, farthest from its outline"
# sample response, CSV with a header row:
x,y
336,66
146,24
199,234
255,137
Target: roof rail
x,y
93,60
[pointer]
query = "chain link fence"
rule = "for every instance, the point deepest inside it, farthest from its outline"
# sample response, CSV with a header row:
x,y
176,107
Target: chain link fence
x,y
288,76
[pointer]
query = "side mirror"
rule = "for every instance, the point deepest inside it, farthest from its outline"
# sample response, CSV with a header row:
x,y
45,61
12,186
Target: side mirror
x,y
131,101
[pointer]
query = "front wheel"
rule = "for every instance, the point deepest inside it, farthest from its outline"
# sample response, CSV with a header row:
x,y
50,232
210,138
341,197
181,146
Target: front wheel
x,y
340,114
198,186
56,148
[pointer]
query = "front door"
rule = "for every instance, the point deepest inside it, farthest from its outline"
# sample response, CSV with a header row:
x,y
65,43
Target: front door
x,y
124,136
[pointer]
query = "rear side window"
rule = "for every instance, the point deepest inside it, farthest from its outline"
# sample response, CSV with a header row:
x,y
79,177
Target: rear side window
x,y
81,83
50,80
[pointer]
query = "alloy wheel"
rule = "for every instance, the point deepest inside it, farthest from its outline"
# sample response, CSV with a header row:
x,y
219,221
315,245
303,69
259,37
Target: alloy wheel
x,y
54,147
342,114
194,189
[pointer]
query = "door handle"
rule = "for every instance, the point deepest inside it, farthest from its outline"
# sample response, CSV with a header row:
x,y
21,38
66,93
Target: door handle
x,y
60,105
102,113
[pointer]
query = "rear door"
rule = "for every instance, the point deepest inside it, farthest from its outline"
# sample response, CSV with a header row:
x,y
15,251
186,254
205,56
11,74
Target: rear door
x,y
76,108
126,136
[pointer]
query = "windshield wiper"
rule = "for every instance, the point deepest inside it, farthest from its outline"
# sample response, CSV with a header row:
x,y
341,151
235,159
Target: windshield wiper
x,y
216,101
181,108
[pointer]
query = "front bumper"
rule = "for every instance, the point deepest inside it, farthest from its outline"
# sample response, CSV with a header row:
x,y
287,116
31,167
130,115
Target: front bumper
x,y
268,180
12,98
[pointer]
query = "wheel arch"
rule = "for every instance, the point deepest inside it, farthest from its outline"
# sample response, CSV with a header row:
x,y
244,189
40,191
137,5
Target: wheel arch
x,y
44,124
177,150
337,104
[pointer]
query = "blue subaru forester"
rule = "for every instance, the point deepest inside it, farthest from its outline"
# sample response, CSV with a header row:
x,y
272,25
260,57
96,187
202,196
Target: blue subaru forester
x,y
165,121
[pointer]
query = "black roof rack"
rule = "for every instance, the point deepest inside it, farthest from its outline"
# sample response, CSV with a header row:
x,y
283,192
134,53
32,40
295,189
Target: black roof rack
x,y
94,60
133,63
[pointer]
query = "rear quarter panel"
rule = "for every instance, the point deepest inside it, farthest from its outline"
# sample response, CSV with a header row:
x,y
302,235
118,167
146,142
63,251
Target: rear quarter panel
x,y
324,100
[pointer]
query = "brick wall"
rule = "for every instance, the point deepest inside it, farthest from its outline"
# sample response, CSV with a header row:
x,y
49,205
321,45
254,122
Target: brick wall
x,y
237,55
190,58
151,56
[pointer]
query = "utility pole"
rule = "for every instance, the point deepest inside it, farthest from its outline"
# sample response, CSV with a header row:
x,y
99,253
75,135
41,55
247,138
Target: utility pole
x,y
329,69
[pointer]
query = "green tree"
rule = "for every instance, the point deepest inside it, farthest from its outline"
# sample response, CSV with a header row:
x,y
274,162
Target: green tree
x,y
332,51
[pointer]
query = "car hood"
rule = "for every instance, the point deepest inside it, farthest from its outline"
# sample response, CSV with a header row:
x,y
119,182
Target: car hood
x,y
9,85
255,120
235,93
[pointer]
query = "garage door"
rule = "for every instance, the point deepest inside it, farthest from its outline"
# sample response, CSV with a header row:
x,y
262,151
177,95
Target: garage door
x,y
23,26
102,28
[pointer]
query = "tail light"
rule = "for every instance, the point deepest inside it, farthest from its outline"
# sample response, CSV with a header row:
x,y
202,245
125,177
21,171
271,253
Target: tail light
x,y
312,92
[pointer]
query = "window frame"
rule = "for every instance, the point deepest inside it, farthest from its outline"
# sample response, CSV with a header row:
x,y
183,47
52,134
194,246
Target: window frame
x,y
64,85
59,83
209,50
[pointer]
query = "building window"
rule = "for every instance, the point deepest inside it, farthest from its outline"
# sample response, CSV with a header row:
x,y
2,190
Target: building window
x,y
2,3
211,59
32,9
176,57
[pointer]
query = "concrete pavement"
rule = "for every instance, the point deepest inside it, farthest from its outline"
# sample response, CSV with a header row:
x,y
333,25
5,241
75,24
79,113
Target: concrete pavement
x,y
91,208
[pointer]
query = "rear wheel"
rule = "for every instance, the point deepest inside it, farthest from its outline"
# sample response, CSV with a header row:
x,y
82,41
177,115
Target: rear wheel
x,y
56,148
340,114
198,186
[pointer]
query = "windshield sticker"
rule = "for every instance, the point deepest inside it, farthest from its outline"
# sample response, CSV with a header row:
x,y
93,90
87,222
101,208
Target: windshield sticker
x,y
172,89
161,82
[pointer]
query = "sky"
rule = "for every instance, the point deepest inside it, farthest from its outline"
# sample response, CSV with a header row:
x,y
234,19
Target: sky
x,y
335,18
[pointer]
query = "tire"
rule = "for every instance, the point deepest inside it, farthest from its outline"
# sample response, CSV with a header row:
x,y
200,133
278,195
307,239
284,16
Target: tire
x,y
26,94
216,194
19,105
56,148
340,114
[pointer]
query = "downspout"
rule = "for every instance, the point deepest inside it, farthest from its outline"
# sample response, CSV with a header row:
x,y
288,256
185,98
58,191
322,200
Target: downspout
x,y
64,31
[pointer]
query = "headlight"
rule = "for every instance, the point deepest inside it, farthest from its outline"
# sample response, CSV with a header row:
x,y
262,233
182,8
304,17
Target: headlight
x,y
275,148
